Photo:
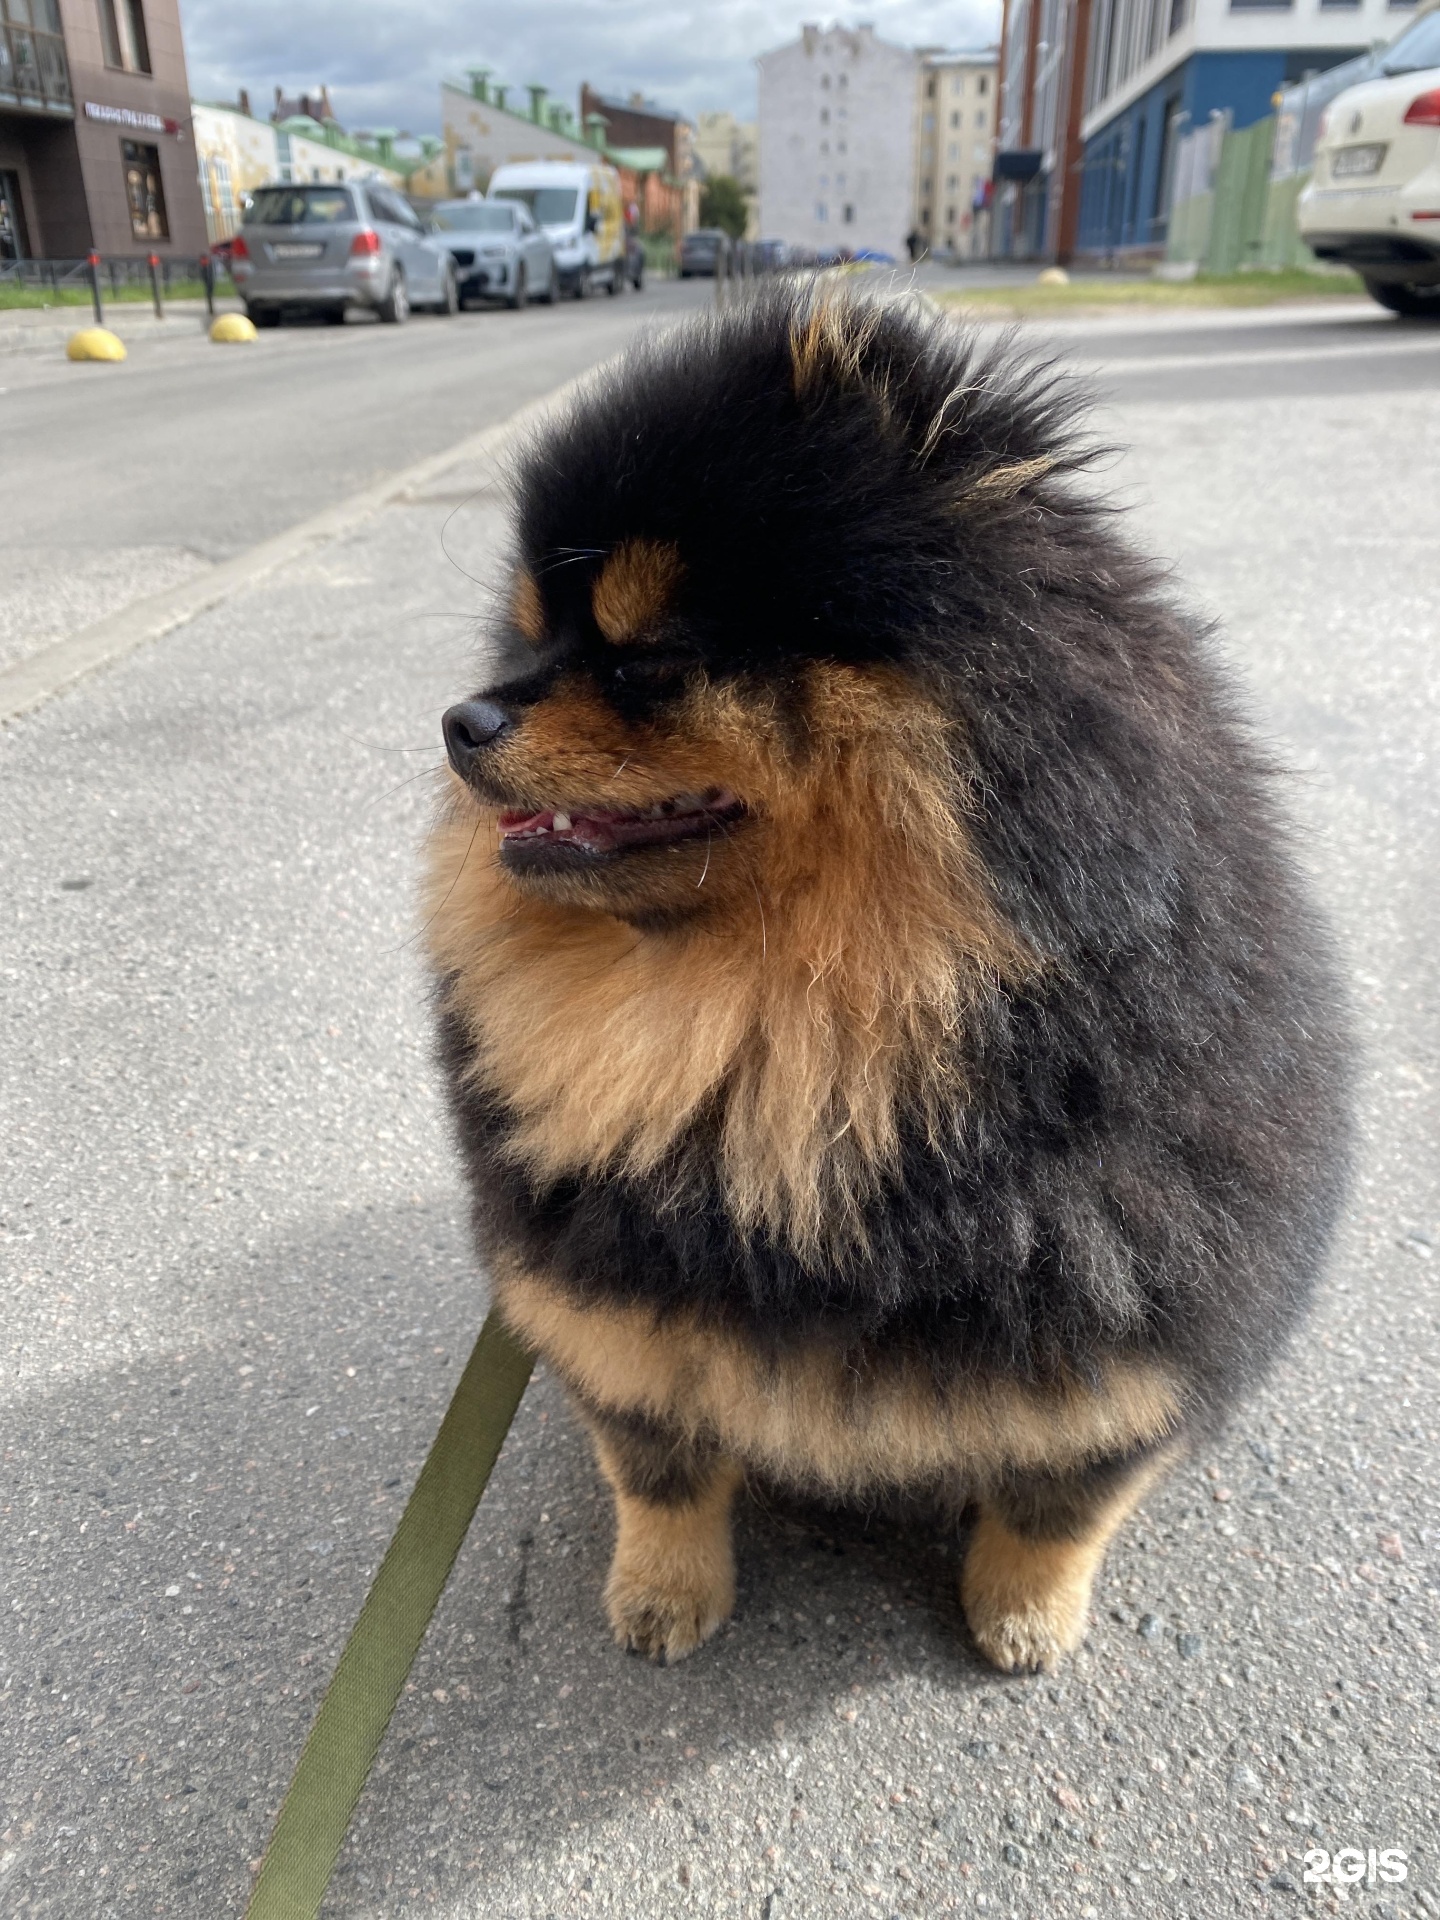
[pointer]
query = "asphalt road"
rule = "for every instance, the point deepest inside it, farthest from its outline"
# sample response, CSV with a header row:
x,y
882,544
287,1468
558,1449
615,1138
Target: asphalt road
x,y
126,479
239,1289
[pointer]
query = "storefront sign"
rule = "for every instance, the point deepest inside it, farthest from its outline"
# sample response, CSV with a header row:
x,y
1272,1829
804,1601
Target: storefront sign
x,y
130,117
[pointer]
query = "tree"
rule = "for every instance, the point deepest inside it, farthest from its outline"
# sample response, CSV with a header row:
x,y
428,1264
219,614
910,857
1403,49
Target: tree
x,y
722,204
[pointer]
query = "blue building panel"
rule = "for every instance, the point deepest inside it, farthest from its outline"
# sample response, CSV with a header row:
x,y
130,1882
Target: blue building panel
x,y
1126,191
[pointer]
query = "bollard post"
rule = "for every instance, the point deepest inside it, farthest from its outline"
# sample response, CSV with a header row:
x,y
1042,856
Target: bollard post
x,y
154,265
93,262
207,276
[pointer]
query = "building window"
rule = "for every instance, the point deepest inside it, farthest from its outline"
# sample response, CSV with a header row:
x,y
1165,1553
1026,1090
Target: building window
x,y
144,191
930,88
982,85
12,218
824,116
954,119
122,31
821,214
848,214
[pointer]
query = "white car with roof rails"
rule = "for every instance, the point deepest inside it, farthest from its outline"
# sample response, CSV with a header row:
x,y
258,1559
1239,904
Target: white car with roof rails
x,y
1373,202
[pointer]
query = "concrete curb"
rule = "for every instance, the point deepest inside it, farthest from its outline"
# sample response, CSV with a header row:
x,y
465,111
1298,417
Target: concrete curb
x,y
184,320
29,683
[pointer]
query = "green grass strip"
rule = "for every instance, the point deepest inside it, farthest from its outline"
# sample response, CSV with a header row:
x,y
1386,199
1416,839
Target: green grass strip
x,y
378,1656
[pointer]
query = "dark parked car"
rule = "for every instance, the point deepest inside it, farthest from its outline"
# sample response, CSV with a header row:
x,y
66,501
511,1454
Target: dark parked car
x,y
704,253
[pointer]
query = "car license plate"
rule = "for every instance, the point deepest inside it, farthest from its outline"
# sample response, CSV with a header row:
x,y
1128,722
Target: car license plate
x,y
1350,161
296,251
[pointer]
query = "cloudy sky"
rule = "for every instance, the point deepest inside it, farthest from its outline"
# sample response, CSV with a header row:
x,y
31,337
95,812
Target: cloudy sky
x,y
384,59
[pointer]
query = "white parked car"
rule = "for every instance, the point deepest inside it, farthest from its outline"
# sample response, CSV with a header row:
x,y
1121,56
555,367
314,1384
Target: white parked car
x,y
1373,202
499,252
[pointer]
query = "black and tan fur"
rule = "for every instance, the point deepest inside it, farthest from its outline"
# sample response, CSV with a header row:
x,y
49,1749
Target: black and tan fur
x,y
960,1107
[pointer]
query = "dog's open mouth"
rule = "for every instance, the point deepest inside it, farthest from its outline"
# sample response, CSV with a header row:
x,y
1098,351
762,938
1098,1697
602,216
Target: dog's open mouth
x,y
608,830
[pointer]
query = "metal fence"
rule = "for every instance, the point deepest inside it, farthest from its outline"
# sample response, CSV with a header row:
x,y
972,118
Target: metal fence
x,y
1235,193
115,271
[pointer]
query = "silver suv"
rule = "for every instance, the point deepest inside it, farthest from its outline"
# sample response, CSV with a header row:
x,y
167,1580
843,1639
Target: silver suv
x,y
324,249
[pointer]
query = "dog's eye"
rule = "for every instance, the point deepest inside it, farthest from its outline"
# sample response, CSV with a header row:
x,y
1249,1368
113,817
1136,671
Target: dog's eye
x,y
652,672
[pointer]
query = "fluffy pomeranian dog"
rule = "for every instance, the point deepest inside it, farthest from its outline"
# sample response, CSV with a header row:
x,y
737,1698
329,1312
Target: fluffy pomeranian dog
x,y
890,1046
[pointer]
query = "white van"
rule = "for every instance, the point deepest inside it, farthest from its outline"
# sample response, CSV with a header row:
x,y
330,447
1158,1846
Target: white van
x,y
577,206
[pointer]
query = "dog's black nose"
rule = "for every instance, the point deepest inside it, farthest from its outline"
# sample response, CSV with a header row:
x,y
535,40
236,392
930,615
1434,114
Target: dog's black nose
x,y
471,726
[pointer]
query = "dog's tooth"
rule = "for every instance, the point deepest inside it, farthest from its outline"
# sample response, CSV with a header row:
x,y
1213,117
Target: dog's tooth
x,y
561,822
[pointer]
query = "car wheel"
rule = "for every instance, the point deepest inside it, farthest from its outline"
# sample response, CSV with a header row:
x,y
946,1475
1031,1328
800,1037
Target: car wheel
x,y
616,282
263,316
522,289
1411,303
394,309
334,316
582,284
450,296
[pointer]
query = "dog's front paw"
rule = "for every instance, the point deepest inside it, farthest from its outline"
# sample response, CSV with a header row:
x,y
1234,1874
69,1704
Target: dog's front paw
x,y
1028,1638
1027,1602
667,1614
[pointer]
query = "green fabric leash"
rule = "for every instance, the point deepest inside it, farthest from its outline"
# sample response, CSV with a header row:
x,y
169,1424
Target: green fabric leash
x,y
361,1696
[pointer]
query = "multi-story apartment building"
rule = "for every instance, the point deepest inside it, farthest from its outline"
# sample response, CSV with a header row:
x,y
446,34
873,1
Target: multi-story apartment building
x,y
956,115
837,141
1157,69
727,148
486,126
725,145
1038,154
95,143
1096,94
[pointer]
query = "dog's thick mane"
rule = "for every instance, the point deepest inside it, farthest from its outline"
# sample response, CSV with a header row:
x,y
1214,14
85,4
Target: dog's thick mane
x,y
789,1029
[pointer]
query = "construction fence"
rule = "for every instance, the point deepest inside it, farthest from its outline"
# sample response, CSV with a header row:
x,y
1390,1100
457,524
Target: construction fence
x,y
1235,190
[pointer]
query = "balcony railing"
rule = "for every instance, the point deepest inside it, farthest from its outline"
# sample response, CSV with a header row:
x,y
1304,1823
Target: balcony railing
x,y
33,69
